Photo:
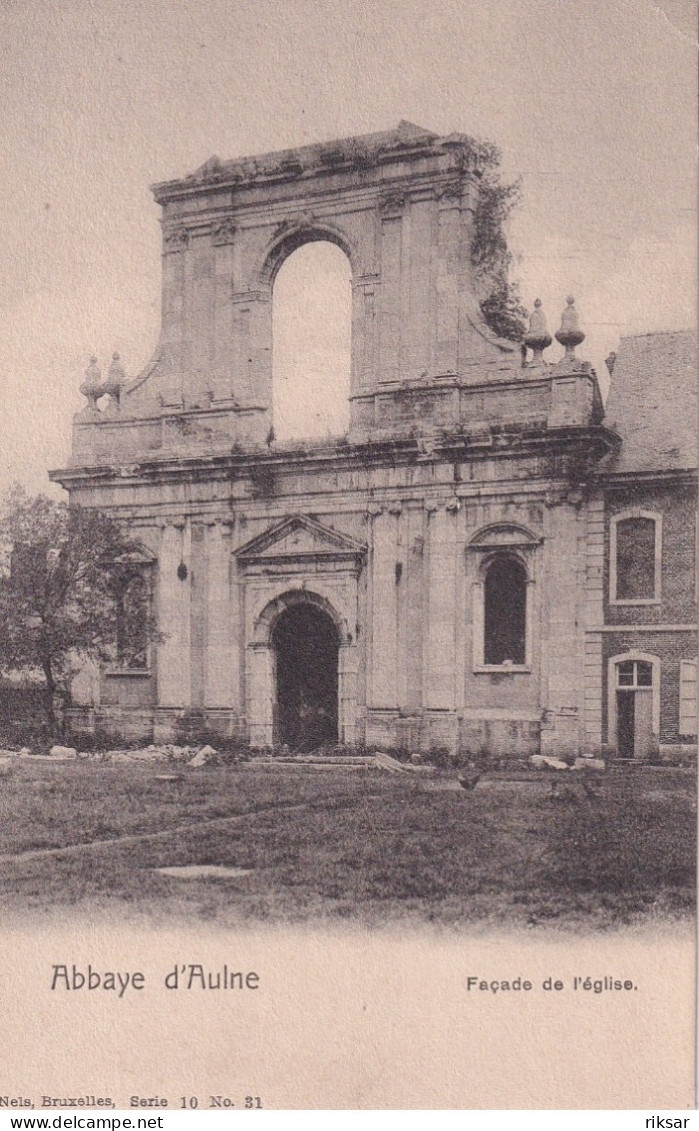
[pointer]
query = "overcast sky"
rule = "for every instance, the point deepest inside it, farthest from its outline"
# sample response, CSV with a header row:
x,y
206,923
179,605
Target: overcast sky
x,y
592,104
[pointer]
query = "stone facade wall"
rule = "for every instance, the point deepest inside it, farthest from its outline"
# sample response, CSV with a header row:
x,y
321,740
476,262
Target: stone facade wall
x,y
457,454
405,580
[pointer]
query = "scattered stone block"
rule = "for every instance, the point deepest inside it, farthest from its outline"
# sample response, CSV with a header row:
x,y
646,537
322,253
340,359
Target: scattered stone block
x,y
543,762
63,753
202,756
386,762
589,764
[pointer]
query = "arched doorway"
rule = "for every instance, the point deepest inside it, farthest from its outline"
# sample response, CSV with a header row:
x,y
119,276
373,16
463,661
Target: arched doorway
x,y
306,647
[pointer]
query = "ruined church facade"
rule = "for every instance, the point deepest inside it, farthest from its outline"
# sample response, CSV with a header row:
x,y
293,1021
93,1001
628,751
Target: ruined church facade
x,y
424,581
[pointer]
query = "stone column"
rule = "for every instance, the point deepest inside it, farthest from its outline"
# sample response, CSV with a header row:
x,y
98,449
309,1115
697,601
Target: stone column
x,y
222,653
260,694
174,617
439,659
198,610
252,334
594,618
383,606
447,284
175,241
224,374
199,321
562,632
347,666
363,333
418,326
390,292
410,592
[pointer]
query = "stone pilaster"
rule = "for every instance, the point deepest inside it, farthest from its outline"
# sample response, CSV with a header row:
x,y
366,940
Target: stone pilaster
x,y
441,611
223,619
594,617
174,618
561,690
383,605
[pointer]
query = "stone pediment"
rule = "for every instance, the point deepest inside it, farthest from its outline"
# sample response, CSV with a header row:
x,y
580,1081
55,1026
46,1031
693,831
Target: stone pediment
x,y
299,538
501,534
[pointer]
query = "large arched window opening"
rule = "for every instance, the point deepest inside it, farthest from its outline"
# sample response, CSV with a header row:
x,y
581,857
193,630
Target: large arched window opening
x,y
505,612
311,312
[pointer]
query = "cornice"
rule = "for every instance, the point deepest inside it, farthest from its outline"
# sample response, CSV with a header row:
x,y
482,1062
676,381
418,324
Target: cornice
x,y
459,153
684,476
496,443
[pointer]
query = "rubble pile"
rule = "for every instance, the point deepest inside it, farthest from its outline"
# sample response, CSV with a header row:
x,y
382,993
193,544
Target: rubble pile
x,y
195,756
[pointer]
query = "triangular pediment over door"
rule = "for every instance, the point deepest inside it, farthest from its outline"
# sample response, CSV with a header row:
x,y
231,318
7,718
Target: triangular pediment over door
x,y
299,538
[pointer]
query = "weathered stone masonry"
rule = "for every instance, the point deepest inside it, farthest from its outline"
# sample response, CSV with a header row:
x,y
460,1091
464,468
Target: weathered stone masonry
x,y
387,543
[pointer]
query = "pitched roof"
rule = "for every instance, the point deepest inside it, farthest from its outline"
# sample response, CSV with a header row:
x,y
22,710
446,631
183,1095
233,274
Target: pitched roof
x,y
652,402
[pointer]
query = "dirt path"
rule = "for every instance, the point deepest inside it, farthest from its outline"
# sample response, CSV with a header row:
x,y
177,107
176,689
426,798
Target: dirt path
x,y
163,834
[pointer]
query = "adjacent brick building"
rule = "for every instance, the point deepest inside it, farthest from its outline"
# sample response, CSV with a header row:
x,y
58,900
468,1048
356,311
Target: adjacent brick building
x,y
441,575
642,555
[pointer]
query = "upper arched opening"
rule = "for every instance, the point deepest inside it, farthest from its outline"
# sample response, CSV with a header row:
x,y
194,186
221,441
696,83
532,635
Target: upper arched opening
x,y
311,340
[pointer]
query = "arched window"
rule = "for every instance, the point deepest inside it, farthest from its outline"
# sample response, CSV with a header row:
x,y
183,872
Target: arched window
x,y
635,552
311,312
132,622
505,612
505,556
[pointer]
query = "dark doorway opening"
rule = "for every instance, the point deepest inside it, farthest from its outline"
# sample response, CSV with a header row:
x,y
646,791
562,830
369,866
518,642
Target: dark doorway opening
x,y
305,645
625,727
634,701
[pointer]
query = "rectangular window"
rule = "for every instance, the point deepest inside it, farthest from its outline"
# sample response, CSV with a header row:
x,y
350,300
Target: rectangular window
x,y
635,555
635,559
688,697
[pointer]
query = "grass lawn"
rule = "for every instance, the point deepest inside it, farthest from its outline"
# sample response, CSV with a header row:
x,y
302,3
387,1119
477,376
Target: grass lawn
x,y
347,845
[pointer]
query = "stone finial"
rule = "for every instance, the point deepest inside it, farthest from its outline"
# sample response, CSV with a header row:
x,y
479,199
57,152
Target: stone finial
x,y
570,335
92,384
537,336
116,379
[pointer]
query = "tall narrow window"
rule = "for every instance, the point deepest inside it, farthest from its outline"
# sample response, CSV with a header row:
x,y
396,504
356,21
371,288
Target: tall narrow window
x,y
132,623
635,555
311,314
505,605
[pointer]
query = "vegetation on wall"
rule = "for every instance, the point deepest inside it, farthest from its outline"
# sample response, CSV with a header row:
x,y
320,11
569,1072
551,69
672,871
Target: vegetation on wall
x,y
492,259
